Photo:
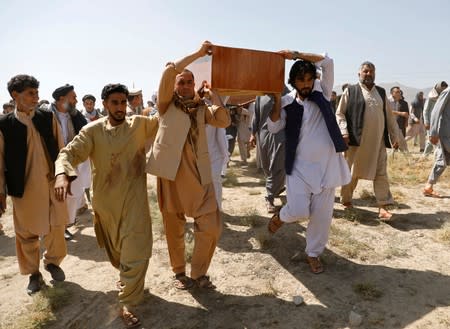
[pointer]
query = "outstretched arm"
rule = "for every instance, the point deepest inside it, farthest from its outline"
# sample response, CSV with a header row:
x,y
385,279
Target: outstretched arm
x,y
293,54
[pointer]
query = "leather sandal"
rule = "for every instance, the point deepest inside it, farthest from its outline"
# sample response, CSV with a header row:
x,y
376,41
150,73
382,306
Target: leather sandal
x,y
431,193
129,319
204,282
275,223
120,285
182,281
347,205
315,264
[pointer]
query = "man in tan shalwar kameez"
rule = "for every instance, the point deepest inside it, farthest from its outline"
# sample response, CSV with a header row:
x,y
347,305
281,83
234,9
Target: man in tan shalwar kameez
x,y
368,125
115,145
180,160
30,140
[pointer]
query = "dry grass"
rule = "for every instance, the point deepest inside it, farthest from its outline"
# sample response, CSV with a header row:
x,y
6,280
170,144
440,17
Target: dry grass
x,y
393,251
408,169
42,310
444,233
400,197
366,195
367,291
230,179
270,290
263,238
251,218
344,241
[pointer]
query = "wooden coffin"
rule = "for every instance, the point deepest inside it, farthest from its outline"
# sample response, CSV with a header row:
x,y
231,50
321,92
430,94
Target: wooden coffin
x,y
241,72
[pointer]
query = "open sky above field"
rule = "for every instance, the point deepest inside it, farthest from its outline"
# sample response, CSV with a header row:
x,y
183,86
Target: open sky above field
x,y
92,43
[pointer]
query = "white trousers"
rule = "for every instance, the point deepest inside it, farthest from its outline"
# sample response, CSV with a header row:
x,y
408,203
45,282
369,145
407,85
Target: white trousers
x,y
318,208
217,182
77,187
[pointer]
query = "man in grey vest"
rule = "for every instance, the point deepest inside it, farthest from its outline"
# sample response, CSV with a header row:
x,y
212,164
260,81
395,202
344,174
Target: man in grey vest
x,y
368,126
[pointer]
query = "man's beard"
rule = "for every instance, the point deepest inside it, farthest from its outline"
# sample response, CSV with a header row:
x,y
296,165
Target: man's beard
x,y
69,107
117,118
304,92
368,81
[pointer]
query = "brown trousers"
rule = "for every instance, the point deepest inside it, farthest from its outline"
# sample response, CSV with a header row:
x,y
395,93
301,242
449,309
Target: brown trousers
x,y
380,185
207,230
28,248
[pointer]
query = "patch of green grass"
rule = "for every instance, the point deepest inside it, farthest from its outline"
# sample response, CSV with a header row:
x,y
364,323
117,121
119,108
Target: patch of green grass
x,y
367,291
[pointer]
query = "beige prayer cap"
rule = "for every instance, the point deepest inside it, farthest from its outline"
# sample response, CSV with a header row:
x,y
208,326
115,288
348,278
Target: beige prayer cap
x,y
134,92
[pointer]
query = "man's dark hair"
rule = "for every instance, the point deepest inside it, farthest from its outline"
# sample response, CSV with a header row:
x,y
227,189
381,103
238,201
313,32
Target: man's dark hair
x,y
188,71
21,82
299,70
392,89
114,88
6,105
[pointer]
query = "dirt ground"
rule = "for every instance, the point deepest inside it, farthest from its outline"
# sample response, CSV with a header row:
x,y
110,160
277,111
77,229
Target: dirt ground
x,y
393,275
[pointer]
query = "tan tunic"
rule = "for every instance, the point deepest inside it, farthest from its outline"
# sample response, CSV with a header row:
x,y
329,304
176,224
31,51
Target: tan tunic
x,y
363,159
38,208
119,181
186,194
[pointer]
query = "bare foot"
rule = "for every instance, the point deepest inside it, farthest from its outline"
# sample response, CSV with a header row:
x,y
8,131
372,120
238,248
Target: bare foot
x,y
384,214
129,318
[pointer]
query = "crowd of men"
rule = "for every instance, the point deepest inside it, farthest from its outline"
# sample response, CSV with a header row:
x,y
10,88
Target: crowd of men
x,y
308,140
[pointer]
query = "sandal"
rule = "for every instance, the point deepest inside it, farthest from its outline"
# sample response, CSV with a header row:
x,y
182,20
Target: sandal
x,y
314,264
347,205
384,214
270,207
275,223
430,193
120,285
182,281
204,282
130,320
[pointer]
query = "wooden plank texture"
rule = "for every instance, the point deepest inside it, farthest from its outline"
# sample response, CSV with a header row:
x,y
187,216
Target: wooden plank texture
x,y
239,72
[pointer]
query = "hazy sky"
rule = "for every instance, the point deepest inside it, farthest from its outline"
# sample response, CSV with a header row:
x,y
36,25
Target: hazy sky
x,y
92,43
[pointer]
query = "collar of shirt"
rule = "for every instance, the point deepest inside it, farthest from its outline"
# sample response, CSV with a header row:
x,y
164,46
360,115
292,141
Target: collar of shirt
x,y
22,116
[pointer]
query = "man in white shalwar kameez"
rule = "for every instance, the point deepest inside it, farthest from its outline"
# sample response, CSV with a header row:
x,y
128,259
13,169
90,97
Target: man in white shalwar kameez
x,y
218,154
71,121
314,164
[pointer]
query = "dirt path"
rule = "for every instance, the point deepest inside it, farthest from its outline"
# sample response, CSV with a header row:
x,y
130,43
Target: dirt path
x,y
394,275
